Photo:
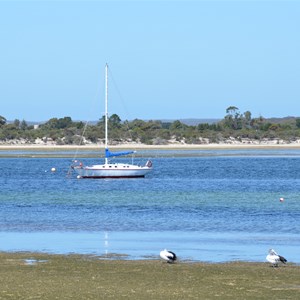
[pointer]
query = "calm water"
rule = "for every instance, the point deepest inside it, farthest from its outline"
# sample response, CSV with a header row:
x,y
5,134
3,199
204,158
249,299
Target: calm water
x,y
204,205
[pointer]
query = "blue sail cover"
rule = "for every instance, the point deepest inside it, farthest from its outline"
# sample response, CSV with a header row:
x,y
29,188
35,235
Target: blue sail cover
x,y
112,154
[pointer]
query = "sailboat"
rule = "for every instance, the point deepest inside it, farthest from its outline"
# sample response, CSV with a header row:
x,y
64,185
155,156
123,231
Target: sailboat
x,y
108,169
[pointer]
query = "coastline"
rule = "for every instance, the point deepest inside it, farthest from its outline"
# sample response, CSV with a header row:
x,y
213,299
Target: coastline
x,y
225,146
29,275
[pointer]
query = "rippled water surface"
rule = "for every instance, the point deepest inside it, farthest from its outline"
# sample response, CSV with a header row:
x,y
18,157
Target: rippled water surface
x,y
204,205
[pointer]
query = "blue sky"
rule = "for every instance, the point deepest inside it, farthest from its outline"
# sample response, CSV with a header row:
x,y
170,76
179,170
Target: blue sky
x,y
168,59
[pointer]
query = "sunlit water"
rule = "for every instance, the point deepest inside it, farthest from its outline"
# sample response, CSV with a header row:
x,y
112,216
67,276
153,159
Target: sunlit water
x,y
209,206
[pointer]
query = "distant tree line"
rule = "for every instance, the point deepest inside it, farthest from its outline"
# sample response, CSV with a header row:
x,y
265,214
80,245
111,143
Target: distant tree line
x,y
234,125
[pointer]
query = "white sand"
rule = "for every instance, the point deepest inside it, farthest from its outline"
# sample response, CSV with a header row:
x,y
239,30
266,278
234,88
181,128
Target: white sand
x,y
154,147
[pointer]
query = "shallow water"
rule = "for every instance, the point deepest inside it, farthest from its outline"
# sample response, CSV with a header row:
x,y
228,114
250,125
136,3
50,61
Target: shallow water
x,y
204,205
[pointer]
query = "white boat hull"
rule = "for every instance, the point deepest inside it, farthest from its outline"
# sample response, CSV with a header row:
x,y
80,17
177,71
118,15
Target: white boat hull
x,y
112,171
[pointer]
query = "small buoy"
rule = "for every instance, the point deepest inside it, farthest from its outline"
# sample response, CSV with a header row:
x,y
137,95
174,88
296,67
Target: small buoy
x,y
78,176
53,169
281,199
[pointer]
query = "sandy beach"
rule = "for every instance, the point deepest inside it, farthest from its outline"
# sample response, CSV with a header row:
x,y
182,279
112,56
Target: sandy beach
x,y
233,146
44,276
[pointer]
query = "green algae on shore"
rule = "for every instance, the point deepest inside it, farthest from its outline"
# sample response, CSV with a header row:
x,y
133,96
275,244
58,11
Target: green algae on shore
x,y
48,276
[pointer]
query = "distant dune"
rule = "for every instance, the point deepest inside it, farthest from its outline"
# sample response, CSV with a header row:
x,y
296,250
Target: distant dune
x,y
190,122
187,121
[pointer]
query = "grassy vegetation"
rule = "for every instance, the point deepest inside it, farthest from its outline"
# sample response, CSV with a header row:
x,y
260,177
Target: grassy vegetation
x,y
86,277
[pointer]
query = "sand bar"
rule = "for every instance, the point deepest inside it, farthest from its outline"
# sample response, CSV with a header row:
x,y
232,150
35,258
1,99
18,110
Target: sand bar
x,y
151,147
45,276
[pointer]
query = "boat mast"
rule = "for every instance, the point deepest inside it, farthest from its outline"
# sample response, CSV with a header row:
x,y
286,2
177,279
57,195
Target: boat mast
x,y
106,111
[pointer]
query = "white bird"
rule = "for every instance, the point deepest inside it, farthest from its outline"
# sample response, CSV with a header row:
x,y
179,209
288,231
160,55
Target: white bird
x,y
169,256
275,258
